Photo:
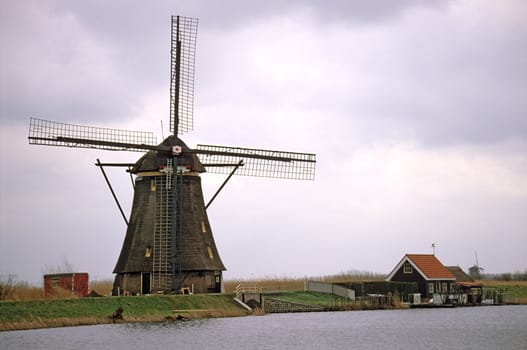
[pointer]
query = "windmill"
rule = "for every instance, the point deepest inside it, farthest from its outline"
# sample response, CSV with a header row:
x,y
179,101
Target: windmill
x,y
475,271
169,246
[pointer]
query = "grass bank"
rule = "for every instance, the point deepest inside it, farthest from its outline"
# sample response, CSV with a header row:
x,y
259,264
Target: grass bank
x,y
518,289
16,315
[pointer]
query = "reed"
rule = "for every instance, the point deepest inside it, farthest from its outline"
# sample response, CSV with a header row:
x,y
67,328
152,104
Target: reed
x,y
274,283
103,287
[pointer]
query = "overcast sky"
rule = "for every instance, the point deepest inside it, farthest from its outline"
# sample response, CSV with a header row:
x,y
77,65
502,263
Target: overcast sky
x,y
416,109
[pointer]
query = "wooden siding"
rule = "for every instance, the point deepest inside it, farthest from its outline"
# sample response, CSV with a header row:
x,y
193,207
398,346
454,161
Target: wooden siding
x,y
193,252
422,283
197,281
415,276
196,251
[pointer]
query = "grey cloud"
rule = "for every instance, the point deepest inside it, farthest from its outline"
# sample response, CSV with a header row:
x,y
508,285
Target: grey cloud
x,y
51,73
228,14
384,76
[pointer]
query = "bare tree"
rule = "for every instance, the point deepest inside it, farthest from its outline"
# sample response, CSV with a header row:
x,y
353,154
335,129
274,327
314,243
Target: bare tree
x,y
65,267
7,286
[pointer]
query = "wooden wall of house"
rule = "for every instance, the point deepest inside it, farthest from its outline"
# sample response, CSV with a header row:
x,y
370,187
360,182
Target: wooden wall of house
x,y
197,281
196,251
127,284
203,281
422,284
414,276
402,289
140,230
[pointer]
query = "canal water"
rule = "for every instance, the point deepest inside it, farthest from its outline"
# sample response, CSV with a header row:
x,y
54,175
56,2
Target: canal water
x,y
492,327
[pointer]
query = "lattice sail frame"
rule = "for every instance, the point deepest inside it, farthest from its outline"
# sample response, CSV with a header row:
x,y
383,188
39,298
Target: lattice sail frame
x,y
258,162
50,133
184,30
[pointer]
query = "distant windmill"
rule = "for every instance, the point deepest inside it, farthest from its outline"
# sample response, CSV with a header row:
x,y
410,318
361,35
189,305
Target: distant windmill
x,y
169,246
475,271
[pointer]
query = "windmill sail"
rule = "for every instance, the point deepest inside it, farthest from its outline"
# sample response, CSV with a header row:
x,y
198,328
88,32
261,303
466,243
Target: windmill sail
x,y
50,133
169,246
183,48
258,162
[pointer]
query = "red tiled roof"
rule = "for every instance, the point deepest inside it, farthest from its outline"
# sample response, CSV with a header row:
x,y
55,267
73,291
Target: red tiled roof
x,y
430,266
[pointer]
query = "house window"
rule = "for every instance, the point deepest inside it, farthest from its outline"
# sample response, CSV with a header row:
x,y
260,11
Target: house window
x,y
444,287
407,268
217,275
430,287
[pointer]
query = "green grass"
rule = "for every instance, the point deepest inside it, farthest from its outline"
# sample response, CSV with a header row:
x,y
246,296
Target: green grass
x,y
99,310
517,288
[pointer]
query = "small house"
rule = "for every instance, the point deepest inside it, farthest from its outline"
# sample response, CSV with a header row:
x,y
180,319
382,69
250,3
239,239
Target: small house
x,y
74,282
431,276
465,290
459,274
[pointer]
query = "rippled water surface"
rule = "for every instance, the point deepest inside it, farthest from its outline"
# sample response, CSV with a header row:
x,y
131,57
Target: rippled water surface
x,y
493,327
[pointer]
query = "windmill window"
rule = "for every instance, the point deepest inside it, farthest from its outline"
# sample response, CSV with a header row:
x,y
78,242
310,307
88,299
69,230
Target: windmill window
x,y
152,185
209,249
203,227
148,251
407,268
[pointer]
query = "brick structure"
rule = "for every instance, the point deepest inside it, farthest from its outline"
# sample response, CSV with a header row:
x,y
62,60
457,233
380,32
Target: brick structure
x,y
75,282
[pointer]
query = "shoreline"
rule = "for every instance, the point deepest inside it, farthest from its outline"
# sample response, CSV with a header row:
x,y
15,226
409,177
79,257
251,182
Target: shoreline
x,y
41,323
36,314
39,314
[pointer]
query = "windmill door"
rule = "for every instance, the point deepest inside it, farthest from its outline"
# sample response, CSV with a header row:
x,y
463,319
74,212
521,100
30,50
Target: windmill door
x,y
145,283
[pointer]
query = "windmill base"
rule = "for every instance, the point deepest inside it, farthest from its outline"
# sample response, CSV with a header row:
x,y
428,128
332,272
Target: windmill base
x,y
193,282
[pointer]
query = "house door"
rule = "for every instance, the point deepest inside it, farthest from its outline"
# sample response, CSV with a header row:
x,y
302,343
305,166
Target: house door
x,y
145,283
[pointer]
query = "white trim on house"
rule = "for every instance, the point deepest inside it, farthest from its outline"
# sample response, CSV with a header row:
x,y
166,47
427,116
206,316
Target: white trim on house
x,y
406,259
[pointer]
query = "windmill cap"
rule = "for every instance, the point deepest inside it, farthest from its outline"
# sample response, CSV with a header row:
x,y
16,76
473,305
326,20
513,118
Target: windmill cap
x,y
154,160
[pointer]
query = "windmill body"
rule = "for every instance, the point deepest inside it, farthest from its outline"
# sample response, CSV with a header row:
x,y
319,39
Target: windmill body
x,y
169,246
145,263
